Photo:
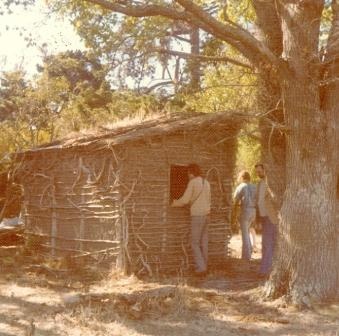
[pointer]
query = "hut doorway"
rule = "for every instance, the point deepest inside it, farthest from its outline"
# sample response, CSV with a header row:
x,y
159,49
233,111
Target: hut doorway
x,y
178,181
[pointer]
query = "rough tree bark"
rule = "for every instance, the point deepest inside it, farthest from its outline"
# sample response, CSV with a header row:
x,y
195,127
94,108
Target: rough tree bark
x,y
331,84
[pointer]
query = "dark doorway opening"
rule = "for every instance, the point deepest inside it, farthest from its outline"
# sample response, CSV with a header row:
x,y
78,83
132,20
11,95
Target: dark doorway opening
x,y
178,181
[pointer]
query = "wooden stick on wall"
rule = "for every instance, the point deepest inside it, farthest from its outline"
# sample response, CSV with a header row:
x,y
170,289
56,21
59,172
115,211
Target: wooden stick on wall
x,y
54,228
82,224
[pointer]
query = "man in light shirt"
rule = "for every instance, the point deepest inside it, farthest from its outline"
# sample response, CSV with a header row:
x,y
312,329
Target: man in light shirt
x,y
268,215
198,196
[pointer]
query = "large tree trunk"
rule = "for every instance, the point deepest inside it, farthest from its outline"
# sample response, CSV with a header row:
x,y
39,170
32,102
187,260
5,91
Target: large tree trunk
x,y
306,263
306,260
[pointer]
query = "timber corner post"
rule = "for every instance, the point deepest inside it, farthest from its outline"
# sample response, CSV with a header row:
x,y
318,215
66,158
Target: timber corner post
x,y
54,224
122,233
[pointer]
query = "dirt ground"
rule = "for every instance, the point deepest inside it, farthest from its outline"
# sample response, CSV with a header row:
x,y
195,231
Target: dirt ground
x,y
42,300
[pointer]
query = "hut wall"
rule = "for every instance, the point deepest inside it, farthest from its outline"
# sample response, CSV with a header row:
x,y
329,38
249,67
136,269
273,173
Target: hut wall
x,y
72,201
158,235
99,197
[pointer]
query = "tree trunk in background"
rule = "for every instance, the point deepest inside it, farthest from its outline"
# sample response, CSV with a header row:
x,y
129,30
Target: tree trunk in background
x,y
194,64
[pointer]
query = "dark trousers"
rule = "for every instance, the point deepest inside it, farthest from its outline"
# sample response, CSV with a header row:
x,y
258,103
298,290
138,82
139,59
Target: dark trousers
x,y
268,244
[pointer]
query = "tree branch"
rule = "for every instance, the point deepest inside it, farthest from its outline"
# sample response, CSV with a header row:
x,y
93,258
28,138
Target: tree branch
x,y
203,58
155,86
180,38
239,38
141,10
269,23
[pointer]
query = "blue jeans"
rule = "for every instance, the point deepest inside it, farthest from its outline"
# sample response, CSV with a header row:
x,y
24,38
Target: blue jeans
x,y
268,244
246,218
200,242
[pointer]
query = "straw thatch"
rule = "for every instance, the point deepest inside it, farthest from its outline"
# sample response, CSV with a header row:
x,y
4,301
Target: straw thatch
x,y
107,193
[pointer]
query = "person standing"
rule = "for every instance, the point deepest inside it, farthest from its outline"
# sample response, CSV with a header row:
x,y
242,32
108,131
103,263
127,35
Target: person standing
x,y
198,196
268,216
245,196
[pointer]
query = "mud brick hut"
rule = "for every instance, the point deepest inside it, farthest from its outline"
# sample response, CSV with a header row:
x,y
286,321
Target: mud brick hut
x,y
109,193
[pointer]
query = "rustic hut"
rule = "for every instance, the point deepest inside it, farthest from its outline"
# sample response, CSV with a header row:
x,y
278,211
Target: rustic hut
x,y
109,193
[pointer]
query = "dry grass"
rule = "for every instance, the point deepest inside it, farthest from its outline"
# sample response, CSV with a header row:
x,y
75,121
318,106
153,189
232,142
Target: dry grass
x,y
228,302
133,119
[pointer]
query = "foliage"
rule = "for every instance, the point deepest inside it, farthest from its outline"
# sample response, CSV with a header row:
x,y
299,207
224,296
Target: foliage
x,y
249,150
77,88
140,50
69,94
12,86
124,43
24,112
74,89
225,88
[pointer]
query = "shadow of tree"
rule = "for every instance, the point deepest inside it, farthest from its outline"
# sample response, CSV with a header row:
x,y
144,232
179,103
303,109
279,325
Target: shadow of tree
x,y
28,311
227,302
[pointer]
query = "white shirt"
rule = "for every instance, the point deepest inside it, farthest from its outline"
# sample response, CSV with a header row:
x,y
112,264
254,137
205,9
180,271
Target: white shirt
x,y
198,194
262,186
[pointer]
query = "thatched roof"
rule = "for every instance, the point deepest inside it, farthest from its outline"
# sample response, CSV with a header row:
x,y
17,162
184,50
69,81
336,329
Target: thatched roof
x,y
159,125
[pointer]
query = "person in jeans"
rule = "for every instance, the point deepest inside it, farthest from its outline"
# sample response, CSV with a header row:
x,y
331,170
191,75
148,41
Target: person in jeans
x,y
245,195
198,196
268,216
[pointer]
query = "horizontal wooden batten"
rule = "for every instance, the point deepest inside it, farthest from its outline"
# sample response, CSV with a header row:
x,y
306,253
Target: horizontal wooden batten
x,y
73,239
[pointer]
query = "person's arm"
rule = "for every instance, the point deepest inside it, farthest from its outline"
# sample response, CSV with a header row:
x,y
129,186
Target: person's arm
x,y
186,197
272,197
237,195
209,195
234,209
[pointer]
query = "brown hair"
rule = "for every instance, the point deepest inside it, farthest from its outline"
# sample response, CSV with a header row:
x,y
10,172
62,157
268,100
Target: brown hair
x,y
194,169
244,175
259,165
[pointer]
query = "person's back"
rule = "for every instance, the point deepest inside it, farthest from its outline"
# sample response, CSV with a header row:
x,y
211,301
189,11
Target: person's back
x,y
245,195
201,197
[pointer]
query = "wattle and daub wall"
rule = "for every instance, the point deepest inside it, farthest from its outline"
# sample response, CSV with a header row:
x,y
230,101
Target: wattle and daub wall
x,y
113,201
